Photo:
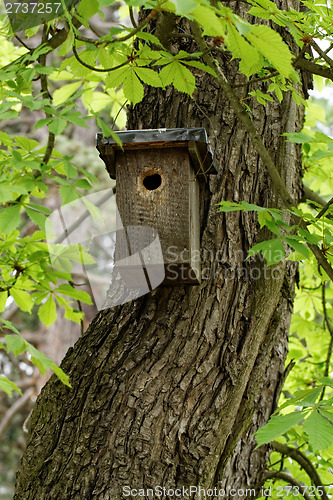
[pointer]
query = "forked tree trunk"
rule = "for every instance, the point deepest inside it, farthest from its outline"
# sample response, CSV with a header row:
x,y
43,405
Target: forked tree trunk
x,y
169,389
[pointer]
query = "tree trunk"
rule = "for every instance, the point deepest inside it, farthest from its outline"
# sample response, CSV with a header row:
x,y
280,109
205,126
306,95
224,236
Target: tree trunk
x,y
169,389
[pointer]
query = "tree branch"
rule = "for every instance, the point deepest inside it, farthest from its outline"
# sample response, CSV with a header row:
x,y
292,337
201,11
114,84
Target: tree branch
x,y
106,70
45,92
131,13
308,194
322,261
289,479
303,461
324,209
323,54
314,68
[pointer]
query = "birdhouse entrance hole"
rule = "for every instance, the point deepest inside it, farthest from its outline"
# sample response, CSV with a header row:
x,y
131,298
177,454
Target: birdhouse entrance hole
x,y
152,181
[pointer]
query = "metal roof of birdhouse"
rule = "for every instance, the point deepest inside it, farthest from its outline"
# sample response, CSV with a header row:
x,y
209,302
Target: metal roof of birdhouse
x,y
194,139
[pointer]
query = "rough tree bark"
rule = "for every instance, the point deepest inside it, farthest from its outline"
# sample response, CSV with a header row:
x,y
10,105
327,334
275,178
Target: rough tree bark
x,y
169,389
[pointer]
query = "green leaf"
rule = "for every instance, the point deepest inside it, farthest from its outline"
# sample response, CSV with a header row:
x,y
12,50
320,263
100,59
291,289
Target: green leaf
x,y
184,7
23,299
270,44
104,127
15,344
60,374
149,76
304,398
88,8
82,183
57,126
272,250
229,206
93,210
148,37
36,217
132,87
9,325
240,48
9,219
41,123
68,194
116,78
202,66
63,94
319,431
25,143
47,312
211,23
40,208
326,381
5,139
263,217
298,246
181,77
70,291
259,12
8,386
73,315
278,425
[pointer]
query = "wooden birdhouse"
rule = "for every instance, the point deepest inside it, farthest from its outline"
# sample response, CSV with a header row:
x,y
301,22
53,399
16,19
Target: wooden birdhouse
x,y
157,176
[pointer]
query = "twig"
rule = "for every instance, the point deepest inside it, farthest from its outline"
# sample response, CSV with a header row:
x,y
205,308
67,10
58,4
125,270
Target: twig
x,y
329,48
291,480
22,42
322,261
303,461
15,408
45,92
139,27
119,111
95,30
